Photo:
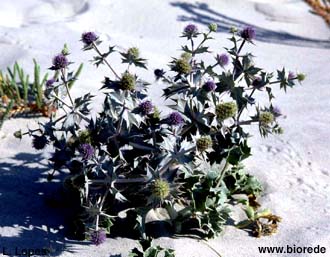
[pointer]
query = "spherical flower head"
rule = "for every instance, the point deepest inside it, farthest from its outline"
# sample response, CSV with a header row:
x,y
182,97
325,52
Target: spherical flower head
x,y
85,136
133,52
87,151
213,27
280,131
248,33
175,118
301,77
266,118
159,73
186,56
191,29
60,62
209,86
203,143
222,59
182,66
291,75
98,237
257,83
39,142
146,107
127,82
88,38
50,83
226,110
160,189
233,30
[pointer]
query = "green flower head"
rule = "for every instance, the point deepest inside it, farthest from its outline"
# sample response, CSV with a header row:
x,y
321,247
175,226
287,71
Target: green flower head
x,y
226,110
301,77
127,82
266,118
182,66
213,27
203,143
160,189
133,52
85,136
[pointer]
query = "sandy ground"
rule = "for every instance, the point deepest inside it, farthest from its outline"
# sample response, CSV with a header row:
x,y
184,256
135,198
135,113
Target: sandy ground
x,y
294,167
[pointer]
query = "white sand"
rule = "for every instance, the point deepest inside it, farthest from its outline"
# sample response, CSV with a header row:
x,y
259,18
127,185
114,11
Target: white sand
x,y
294,167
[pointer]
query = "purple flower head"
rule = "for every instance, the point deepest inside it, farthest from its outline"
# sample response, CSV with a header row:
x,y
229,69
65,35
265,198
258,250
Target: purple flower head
x,y
98,237
159,73
190,29
87,151
39,142
291,75
257,83
209,86
50,82
88,38
175,118
248,33
146,107
276,111
222,59
60,62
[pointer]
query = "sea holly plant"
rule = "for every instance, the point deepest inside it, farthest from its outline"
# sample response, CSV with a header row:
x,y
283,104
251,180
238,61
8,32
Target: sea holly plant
x,y
135,166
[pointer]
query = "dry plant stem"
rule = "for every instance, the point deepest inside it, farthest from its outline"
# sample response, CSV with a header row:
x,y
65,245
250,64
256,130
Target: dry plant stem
x,y
211,247
105,60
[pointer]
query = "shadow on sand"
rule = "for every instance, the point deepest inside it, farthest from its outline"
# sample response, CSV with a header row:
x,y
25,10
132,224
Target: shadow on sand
x,y
201,13
25,211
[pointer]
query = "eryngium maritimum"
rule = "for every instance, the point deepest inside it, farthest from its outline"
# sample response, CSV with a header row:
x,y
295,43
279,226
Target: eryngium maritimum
x,y
88,38
226,110
248,33
175,118
146,107
209,86
87,151
222,59
98,237
60,62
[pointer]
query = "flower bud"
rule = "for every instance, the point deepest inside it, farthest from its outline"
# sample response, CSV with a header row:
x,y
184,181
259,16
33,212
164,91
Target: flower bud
x,y
213,27
301,77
